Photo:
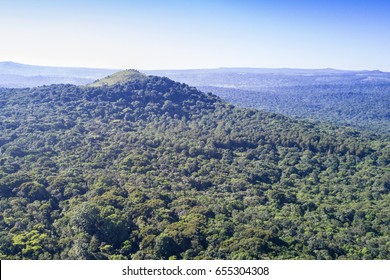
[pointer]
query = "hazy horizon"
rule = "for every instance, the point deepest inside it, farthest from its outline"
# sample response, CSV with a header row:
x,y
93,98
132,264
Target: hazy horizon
x,y
188,69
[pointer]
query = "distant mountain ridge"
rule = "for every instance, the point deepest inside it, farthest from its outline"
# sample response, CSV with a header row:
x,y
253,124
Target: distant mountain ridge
x,y
19,75
264,78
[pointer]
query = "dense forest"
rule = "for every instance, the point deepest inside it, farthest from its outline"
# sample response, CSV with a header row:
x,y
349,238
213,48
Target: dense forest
x,y
149,168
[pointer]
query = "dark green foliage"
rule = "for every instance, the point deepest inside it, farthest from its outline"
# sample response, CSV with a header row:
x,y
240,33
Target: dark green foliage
x,y
153,169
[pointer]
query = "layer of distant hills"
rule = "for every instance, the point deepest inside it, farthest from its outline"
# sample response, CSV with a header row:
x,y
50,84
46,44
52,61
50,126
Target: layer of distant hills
x,y
17,75
360,99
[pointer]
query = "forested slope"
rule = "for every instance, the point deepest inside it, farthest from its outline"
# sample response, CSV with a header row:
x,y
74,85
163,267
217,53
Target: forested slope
x,y
359,99
154,169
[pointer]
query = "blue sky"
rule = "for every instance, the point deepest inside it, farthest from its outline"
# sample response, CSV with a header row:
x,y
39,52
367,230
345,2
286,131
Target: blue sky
x,y
187,34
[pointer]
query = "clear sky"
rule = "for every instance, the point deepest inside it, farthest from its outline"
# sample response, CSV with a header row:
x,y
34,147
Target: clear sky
x,y
168,34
